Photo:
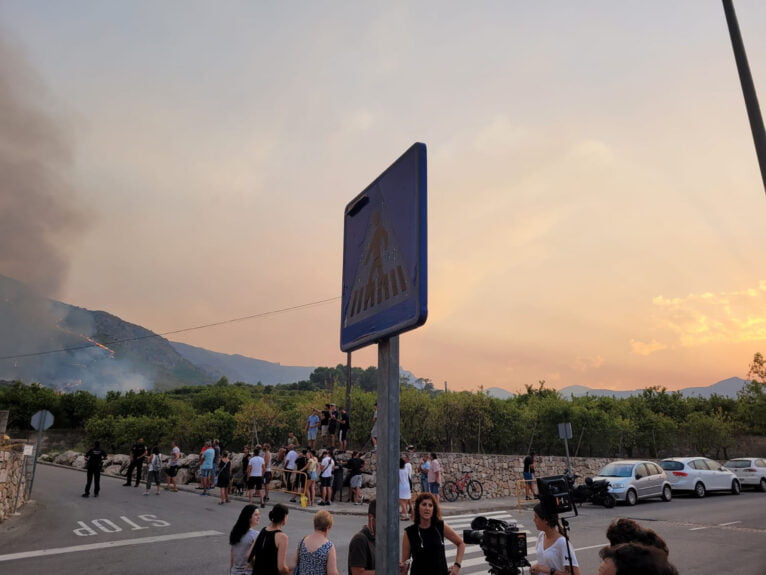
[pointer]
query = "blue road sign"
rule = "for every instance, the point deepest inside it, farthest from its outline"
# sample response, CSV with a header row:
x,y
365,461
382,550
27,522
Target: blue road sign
x,y
385,287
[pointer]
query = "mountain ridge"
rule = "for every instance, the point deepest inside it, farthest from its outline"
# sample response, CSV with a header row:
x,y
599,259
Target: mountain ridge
x,y
725,388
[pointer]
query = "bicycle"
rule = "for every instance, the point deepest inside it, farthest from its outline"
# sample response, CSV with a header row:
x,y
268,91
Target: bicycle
x,y
465,486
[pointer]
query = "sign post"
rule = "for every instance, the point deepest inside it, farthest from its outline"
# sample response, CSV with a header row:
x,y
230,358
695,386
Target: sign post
x,y
41,421
384,294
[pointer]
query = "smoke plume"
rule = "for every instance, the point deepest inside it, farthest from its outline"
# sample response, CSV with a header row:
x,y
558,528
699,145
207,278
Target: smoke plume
x,y
39,218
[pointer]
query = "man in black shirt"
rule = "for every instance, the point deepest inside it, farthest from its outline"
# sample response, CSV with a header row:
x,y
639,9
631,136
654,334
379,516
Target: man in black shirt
x,y
300,463
324,423
137,456
354,467
93,461
361,549
343,426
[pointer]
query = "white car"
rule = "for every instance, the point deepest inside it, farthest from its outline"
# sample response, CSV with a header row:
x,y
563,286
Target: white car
x,y
699,475
749,471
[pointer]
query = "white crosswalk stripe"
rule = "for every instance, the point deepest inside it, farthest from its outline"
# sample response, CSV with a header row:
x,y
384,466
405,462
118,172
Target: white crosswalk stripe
x,y
473,559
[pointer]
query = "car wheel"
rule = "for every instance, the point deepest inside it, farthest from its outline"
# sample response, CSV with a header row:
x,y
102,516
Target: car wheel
x,y
699,489
667,493
735,488
762,484
631,498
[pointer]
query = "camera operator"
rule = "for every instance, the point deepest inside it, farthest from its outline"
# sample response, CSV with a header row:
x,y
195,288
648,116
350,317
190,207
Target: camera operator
x,y
553,550
423,541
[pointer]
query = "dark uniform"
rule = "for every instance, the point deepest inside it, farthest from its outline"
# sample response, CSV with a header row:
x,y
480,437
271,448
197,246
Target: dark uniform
x,y
94,459
138,453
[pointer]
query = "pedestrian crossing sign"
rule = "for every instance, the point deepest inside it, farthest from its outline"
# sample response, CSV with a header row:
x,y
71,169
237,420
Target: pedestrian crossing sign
x,y
384,290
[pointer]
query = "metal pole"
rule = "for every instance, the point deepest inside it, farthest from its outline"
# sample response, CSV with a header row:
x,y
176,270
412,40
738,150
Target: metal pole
x,y
387,490
37,453
348,384
748,88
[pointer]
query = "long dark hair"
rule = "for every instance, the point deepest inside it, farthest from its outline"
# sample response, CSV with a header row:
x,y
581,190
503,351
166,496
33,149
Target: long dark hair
x,y
242,525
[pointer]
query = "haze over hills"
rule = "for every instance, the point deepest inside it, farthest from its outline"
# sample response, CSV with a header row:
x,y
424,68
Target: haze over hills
x,y
240,368
67,347
725,388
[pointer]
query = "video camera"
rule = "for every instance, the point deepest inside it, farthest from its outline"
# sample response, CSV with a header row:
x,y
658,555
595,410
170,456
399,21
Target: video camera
x,y
504,546
555,494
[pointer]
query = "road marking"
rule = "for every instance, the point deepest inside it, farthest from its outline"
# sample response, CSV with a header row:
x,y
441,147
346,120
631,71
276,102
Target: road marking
x,y
107,544
729,523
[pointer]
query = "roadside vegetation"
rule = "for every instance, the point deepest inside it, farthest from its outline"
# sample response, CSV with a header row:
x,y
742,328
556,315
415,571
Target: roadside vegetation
x,y
654,423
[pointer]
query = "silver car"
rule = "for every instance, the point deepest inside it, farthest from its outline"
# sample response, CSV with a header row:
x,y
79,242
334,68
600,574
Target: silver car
x,y
699,475
632,479
749,470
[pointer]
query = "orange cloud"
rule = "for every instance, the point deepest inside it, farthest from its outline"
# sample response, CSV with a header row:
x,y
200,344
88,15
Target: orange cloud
x,y
698,319
643,348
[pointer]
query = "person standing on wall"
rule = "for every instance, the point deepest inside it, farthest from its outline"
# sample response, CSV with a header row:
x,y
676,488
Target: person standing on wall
x,y
94,459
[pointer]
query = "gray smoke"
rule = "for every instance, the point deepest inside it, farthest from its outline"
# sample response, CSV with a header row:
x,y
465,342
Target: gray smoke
x,y
39,218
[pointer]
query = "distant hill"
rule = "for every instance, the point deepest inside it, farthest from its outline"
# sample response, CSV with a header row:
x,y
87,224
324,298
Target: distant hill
x,y
499,393
241,368
726,388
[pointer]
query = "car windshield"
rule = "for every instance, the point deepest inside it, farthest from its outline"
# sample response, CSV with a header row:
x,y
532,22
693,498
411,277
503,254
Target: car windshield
x,y
617,470
737,464
671,465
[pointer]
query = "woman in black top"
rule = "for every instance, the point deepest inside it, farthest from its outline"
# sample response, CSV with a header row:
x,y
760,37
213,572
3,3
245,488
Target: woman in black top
x,y
224,477
269,553
423,541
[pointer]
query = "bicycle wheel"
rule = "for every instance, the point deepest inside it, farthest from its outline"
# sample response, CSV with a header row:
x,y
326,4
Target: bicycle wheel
x,y
474,489
450,491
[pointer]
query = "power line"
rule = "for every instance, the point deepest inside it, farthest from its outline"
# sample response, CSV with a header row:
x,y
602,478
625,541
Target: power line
x,y
184,330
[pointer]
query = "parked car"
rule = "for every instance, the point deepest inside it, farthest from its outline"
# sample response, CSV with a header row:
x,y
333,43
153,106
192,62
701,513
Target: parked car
x,y
699,475
631,480
749,471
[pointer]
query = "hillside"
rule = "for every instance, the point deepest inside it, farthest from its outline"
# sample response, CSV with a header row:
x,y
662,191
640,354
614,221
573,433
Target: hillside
x,y
67,347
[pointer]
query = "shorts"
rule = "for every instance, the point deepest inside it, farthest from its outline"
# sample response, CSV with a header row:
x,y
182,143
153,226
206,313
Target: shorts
x,y
172,471
255,482
312,434
342,434
528,476
206,472
267,476
434,487
355,481
332,428
325,481
324,430
313,475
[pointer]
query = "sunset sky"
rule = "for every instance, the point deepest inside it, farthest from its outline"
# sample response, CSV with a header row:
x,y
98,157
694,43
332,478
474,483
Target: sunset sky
x,y
596,213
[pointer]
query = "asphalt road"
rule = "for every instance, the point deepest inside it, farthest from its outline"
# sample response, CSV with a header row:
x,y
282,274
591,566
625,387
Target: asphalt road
x,y
127,533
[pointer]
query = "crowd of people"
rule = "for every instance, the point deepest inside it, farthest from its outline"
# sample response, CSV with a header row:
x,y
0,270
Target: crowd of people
x,y
318,475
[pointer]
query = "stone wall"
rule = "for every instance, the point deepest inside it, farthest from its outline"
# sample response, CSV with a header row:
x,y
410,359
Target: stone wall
x,y
498,474
11,489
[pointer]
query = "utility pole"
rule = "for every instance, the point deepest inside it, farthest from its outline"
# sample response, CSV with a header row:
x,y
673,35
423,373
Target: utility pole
x,y
748,88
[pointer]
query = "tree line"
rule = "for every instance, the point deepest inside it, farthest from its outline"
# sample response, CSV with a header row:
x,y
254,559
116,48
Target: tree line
x,y
654,423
